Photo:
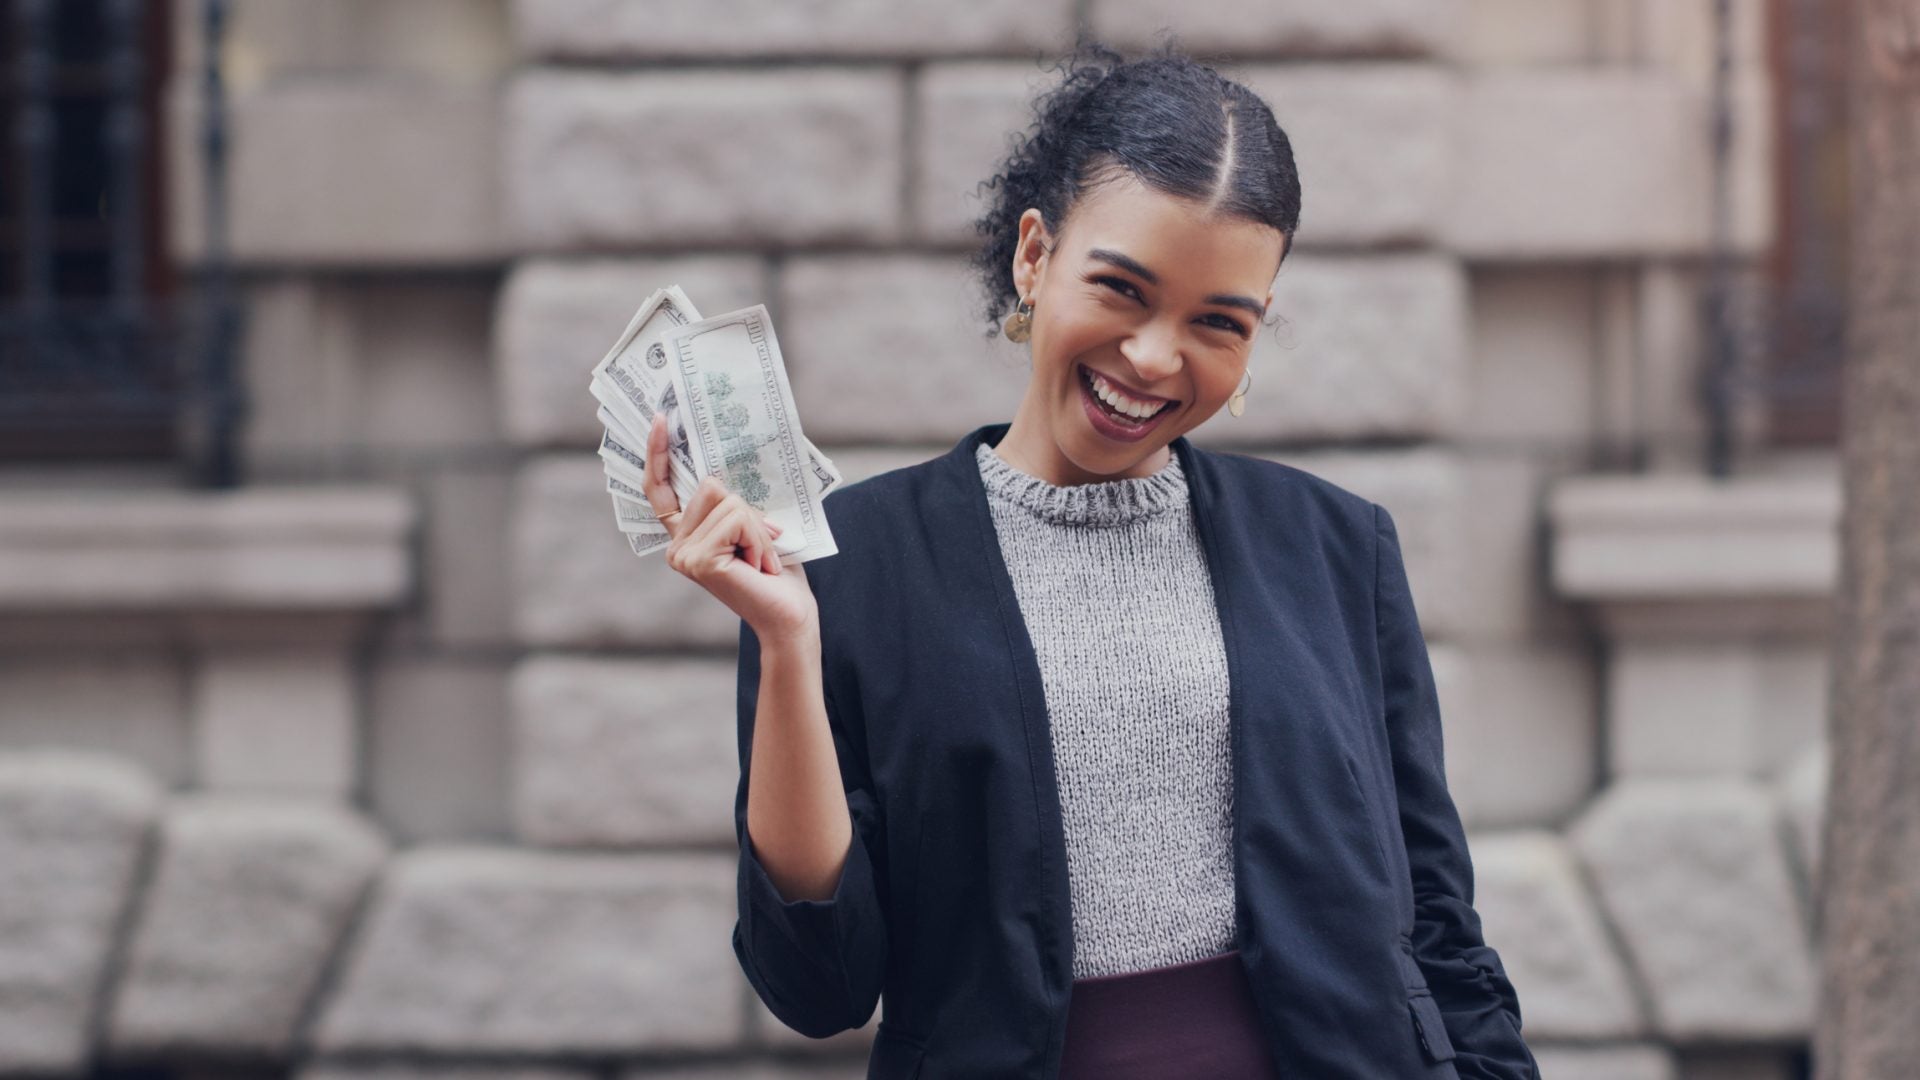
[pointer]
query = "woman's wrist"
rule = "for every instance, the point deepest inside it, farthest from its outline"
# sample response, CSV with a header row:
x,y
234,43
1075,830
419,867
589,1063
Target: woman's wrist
x,y
797,642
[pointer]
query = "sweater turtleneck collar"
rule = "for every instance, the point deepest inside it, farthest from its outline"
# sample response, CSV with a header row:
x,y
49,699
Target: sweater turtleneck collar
x,y
1105,503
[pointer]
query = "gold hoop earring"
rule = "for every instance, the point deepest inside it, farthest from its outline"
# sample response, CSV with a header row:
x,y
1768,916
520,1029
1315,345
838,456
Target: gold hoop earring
x,y
1019,325
1237,404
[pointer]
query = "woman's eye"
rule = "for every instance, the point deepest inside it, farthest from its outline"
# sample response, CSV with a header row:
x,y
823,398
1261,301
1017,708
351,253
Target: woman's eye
x,y
1125,288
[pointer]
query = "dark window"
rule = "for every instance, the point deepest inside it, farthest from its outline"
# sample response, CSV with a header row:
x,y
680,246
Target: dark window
x,y
87,333
1806,271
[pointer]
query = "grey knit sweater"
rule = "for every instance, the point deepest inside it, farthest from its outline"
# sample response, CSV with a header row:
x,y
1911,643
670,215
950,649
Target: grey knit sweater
x,y
1114,589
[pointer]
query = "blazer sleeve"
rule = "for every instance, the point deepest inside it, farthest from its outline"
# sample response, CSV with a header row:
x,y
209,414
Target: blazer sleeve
x,y
817,964
1469,983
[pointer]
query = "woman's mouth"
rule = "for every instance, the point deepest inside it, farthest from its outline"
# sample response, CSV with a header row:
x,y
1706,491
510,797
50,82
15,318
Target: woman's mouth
x,y
1118,423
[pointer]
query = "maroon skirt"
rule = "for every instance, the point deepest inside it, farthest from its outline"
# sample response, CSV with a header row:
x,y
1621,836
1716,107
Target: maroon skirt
x,y
1194,1020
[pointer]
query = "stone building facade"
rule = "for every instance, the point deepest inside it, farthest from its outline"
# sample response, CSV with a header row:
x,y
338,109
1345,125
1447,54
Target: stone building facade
x,y
395,762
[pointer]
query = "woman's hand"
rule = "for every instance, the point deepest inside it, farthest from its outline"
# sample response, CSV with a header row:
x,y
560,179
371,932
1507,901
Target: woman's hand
x,y
726,546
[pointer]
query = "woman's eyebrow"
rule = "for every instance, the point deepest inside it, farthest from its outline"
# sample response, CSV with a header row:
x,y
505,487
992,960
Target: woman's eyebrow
x,y
1124,262
1247,303
1133,266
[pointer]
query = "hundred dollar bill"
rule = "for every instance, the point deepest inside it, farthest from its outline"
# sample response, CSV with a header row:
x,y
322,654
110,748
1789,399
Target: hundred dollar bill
x,y
631,511
622,461
824,474
619,450
633,516
630,381
821,472
615,486
737,418
647,543
628,378
635,519
620,430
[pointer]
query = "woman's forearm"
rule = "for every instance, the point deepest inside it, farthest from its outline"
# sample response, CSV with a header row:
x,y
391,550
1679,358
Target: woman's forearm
x,y
796,804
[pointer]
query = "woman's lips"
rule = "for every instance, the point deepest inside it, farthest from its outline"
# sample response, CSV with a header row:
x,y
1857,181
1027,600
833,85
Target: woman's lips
x,y
1137,395
1105,424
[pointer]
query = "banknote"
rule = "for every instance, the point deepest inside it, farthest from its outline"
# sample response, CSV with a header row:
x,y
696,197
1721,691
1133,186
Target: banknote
x,y
631,510
754,442
622,461
629,382
821,472
644,533
626,380
645,543
735,418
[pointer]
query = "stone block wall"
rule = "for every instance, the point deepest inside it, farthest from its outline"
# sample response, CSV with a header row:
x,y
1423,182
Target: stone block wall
x,y
492,837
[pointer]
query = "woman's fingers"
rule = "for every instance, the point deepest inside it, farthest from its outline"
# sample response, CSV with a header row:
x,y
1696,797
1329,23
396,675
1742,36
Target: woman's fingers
x,y
738,529
751,530
708,496
744,531
717,533
659,486
759,542
770,530
769,558
747,537
687,551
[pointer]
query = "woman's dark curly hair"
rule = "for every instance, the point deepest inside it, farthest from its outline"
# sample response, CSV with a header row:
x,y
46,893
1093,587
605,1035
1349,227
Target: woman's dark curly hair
x,y
1165,119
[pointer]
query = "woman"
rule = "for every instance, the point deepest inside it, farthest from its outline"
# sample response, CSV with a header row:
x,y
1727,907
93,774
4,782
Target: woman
x,y
1099,754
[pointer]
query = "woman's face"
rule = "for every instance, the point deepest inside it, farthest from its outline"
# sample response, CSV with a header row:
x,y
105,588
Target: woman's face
x,y
1144,297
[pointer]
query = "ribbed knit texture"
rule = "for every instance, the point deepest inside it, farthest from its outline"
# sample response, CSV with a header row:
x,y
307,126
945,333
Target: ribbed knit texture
x,y
1113,586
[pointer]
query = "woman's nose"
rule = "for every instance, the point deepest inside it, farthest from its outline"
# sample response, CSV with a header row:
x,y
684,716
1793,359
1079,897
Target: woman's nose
x,y
1153,354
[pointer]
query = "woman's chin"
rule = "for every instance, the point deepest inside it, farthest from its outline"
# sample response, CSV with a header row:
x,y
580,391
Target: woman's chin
x,y
1097,456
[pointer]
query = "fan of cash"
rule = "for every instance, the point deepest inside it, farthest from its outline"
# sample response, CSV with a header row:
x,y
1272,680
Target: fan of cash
x,y
722,385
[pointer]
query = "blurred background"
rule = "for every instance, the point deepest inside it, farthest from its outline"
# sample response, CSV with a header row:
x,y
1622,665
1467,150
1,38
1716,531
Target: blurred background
x,y
341,735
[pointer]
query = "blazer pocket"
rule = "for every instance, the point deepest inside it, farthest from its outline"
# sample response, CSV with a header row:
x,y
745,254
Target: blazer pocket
x,y
1430,1027
894,1057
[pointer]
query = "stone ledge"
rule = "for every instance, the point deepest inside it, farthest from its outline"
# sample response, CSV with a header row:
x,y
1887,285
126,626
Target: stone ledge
x,y
73,826
249,897
526,962
1693,876
318,551
508,951
1758,552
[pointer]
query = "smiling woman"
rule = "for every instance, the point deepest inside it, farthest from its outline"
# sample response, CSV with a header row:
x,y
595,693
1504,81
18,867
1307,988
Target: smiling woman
x,y
1142,319
1096,753
1137,231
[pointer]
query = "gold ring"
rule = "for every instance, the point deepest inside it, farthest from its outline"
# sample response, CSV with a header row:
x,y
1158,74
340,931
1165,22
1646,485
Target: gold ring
x,y
668,515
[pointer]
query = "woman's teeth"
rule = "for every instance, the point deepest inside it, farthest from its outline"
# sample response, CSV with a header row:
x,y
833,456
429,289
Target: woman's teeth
x,y
1121,403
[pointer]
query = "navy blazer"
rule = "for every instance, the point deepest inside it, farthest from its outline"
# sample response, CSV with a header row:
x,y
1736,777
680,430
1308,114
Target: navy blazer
x,y
1354,903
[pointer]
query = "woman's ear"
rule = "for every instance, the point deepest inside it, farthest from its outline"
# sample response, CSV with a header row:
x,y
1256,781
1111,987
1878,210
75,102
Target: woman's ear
x,y
1030,252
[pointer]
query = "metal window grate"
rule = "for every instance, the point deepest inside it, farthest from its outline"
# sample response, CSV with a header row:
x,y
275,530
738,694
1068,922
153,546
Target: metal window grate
x,y
102,353
1779,353
86,329
1807,270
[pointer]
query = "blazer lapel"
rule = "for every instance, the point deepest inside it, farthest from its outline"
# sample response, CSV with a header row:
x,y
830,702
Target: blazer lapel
x,y
966,529
1304,847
